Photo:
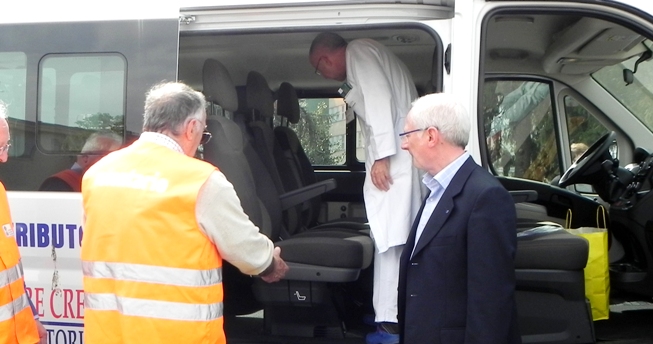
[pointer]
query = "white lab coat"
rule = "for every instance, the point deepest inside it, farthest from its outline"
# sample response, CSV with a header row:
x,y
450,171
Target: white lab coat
x,y
381,94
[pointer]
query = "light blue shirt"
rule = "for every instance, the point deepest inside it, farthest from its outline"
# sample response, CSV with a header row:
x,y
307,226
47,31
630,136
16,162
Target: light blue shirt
x,y
437,184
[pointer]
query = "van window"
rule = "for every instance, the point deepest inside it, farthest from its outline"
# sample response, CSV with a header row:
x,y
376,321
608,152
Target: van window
x,y
322,130
79,94
13,80
636,97
360,143
519,127
583,128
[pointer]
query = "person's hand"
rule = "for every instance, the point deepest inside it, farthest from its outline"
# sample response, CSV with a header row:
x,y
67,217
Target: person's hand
x,y
43,334
380,174
280,268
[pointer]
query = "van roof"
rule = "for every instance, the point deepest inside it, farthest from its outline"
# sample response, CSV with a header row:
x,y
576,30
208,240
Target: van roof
x,y
80,10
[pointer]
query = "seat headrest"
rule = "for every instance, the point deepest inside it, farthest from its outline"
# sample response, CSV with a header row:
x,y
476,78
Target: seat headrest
x,y
288,103
259,95
218,86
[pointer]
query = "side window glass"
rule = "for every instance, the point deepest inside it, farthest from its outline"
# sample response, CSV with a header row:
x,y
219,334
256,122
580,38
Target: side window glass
x,y
583,130
321,130
79,95
360,142
13,78
519,127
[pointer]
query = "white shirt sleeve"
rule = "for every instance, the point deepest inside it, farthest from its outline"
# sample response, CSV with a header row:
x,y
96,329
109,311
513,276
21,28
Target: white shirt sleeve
x,y
222,219
366,69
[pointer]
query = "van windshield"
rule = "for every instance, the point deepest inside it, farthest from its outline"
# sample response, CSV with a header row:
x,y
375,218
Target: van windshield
x,y
636,97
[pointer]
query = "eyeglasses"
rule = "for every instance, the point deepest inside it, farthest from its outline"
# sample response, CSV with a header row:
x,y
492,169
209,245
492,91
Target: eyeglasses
x,y
5,148
406,133
206,137
317,66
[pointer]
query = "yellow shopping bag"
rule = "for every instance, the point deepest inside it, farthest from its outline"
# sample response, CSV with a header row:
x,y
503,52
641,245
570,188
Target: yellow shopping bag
x,y
597,270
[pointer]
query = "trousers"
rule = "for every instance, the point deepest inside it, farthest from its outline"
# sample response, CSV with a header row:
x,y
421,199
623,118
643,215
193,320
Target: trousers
x,y
386,281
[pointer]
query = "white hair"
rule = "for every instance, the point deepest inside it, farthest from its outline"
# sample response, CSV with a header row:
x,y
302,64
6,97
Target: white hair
x,y
102,142
439,110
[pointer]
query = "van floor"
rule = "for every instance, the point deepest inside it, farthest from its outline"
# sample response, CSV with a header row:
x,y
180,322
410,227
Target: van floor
x,y
629,323
250,329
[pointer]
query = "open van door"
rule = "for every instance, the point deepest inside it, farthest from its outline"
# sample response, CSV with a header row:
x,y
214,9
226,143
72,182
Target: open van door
x,y
553,78
65,73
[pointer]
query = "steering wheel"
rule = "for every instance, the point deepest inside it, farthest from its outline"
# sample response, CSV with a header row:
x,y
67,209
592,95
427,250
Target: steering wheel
x,y
598,149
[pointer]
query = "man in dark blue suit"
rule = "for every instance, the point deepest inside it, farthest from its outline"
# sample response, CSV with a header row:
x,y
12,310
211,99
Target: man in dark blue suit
x,y
457,275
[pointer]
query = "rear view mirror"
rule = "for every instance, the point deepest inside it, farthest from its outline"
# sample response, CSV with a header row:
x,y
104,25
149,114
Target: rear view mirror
x,y
629,75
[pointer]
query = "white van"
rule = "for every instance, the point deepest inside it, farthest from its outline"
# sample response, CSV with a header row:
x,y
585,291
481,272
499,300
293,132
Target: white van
x,y
538,77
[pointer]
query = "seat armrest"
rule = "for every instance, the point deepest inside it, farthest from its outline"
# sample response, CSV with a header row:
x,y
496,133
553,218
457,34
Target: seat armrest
x,y
519,196
295,197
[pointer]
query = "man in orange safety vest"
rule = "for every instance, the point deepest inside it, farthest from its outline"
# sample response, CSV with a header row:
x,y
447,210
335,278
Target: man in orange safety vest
x,y
158,223
19,322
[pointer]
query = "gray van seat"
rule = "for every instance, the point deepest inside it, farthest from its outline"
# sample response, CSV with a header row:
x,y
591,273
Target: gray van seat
x,y
550,289
294,165
550,284
231,152
558,250
313,260
259,109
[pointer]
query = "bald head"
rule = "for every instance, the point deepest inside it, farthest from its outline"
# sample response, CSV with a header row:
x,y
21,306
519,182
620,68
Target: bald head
x,y
328,56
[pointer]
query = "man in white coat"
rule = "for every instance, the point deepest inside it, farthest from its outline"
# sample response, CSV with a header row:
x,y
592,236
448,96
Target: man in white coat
x,y
380,90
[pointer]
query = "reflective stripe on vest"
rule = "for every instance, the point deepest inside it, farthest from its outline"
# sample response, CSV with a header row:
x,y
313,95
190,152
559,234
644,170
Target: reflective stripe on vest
x,y
153,309
9,310
10,275
17,325
152,274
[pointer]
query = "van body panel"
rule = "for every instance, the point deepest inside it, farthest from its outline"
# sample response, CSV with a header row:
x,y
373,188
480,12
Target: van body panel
x,y
145,53
447,44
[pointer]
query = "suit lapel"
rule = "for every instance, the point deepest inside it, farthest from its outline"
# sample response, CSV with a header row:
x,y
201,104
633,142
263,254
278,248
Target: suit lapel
x,y
444,208
410,241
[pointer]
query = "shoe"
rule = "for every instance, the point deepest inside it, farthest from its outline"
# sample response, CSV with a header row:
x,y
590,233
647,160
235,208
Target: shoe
x,y
380,336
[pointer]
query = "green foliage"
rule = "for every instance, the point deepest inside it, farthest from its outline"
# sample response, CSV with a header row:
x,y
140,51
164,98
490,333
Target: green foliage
x,y
102,121
313,131
92,123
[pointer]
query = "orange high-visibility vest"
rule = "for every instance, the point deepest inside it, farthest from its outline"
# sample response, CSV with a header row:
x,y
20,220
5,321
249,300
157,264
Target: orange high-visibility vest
x,y
150,274
17,323
71,177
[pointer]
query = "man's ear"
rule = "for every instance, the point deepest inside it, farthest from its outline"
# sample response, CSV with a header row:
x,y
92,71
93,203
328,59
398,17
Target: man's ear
x,y
190,129
433,136
326,59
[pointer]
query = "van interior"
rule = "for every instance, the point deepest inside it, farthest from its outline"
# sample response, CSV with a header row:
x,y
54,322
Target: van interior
x,y
545,77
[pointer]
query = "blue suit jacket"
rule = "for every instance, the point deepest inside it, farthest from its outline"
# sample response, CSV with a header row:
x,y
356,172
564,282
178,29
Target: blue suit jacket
x,y
458,286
